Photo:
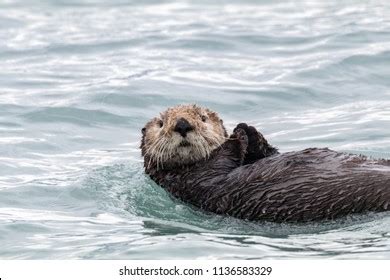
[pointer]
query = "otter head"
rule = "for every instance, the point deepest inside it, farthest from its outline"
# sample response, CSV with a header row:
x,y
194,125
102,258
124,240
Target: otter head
x,y
182,135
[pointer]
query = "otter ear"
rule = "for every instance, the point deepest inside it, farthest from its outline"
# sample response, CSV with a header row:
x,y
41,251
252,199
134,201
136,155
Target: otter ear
x,y
143,130
214,116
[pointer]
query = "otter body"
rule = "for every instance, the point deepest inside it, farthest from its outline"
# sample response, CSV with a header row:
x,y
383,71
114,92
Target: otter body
x,y
247,178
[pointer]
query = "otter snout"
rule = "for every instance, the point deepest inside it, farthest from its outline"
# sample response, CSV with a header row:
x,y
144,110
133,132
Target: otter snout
x,y
183,127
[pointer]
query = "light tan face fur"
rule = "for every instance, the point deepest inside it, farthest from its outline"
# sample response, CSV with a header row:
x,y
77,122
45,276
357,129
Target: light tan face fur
x,y
163,146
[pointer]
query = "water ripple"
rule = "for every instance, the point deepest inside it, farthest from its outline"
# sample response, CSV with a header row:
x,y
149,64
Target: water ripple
x,y
80,78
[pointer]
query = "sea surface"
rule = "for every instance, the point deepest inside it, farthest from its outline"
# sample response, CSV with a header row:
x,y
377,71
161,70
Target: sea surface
x,y
80,78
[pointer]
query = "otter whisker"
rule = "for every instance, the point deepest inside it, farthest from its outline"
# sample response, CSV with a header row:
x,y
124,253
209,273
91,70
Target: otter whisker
x,y
164,153
152,150
160,154
202,148
158,151
301,186
163,147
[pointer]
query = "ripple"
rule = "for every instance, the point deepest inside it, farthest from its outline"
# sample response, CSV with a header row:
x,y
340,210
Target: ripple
x,y
77,116
80,78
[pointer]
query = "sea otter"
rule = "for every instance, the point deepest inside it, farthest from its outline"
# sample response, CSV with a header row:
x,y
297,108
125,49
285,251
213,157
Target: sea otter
x,y
187,152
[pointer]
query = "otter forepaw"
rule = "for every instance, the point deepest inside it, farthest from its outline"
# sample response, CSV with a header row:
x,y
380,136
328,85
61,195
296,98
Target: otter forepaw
x,y
258,146
255,138
241,136
238,144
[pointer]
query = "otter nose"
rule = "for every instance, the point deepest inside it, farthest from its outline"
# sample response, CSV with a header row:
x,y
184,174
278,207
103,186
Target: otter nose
x,y
183,126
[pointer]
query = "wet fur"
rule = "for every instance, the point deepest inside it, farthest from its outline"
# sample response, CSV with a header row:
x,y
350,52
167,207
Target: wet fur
x,y
163,148
246,178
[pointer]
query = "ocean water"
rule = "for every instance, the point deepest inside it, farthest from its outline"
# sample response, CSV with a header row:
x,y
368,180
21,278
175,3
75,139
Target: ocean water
x,y
80,78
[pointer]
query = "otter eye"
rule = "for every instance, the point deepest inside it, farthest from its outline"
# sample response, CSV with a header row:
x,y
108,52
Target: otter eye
x,y
160,123
143,130
204,118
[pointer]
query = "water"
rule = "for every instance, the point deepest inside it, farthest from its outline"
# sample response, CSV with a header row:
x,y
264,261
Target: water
x,y
78,80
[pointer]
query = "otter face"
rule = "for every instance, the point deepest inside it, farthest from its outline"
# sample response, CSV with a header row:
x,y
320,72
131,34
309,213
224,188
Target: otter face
x,y
182,135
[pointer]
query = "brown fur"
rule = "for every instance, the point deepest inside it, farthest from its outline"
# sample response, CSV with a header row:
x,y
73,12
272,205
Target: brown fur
x,y
162,146
245,177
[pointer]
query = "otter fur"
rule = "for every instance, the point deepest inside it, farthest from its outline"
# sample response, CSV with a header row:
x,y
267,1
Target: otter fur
x,y
187,152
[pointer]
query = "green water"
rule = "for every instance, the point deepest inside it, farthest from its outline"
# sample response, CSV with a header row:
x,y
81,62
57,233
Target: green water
x,y
79,79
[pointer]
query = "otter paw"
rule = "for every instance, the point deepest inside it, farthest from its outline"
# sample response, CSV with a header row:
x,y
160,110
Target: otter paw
x,y
239,143
242,126
255,138
241,136
258,146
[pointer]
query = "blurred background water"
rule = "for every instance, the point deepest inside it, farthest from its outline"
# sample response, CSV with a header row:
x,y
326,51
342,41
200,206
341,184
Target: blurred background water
x,y
79,78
